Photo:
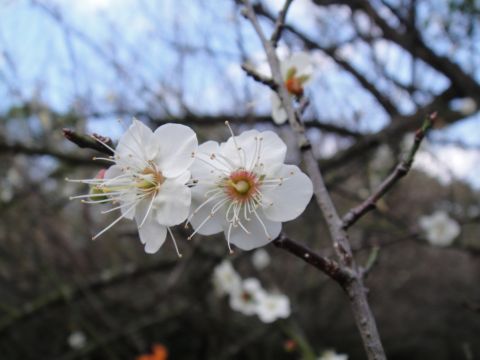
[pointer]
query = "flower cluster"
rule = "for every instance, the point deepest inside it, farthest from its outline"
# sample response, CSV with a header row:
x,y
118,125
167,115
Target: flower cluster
x,y
439,228
247,296
163,178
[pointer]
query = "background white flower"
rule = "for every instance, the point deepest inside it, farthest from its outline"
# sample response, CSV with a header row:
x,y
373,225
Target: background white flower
x,y
148,180
225,279
247,297
261,259
244,189
296,72
332,355
439,228
272,307
77,340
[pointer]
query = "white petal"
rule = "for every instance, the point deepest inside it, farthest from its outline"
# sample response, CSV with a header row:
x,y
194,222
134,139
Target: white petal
x,y
279,115
215,224
112,172
177,146
172,203
200,168
136,146
240,157
302,61
271,150
289,199
153,235
257,236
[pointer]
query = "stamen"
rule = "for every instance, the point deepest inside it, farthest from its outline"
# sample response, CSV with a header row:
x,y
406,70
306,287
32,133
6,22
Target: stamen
x,y
228,239
174,242
238,148
114,222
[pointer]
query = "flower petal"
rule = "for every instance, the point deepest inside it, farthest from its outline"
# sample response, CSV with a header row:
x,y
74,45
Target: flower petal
x,y
204,166
136,146
302,61
265,150
177,146
290,198
213,225
172,203
257,236
153,235
279,115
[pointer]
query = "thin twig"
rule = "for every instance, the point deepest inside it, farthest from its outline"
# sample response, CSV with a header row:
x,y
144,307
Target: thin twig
x,y
280,23
259,77
399,172
93,141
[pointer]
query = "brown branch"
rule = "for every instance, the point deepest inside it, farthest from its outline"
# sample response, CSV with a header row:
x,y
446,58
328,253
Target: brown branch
x,y
212,120
354,288
19,148
327,266
399,172
94,141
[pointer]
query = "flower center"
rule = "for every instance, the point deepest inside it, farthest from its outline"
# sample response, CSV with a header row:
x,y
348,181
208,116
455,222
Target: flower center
x,y
294,83
241,185
294,86
150,179
247,297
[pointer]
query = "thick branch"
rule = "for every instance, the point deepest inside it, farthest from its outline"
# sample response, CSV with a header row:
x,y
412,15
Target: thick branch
x,y
328,266
355,289
19,148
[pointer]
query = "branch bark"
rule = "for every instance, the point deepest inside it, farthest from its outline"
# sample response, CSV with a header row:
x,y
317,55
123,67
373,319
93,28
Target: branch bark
x,y
354,288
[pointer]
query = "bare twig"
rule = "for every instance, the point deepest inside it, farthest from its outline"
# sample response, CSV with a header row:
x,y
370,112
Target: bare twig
x,y
328,266
354,288
93,141
400,171
280,23
259,77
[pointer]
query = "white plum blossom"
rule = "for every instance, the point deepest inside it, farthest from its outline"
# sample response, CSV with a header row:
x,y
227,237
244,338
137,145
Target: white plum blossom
x,y
225,279
77,340
296,72
260,259
247,297
332,355
440,229
244,189
148,180
272,307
